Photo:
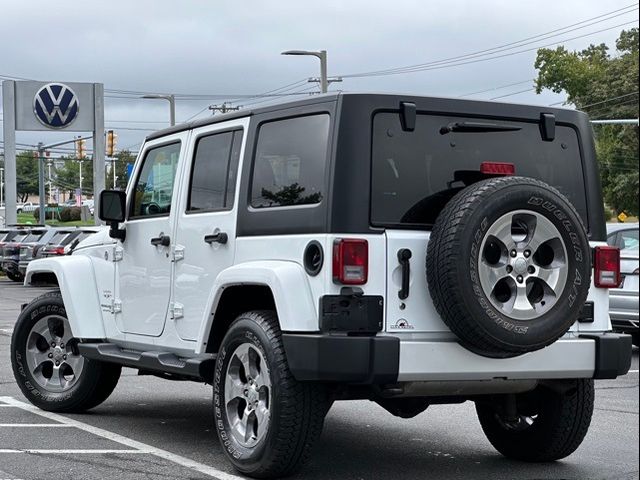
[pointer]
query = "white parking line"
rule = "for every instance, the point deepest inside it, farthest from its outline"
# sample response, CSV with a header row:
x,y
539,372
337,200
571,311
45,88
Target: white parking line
x,y
72,452
6,331
32,425
134,444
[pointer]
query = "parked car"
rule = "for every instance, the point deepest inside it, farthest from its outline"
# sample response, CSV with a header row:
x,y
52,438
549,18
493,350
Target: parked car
x,y
64,241
30,247
9,250
90,204
27,207
624,303
407,250
22,245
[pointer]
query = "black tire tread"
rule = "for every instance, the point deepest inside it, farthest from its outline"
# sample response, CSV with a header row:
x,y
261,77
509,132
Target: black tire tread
x,y
103,377
566,424
302,405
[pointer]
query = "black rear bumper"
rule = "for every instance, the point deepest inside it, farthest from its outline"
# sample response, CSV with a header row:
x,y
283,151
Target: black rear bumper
x,y
376,359
613,354
342,358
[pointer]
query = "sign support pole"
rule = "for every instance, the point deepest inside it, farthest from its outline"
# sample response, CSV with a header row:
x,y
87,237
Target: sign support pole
x,y
9,128
98,149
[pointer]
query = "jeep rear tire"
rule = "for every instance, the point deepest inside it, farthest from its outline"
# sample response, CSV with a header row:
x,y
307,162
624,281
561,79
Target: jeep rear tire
x,y
47,365
266,421
508,266
550,422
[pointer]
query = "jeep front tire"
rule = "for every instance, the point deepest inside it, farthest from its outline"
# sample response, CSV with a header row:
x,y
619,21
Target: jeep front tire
x,y
267,422
47,364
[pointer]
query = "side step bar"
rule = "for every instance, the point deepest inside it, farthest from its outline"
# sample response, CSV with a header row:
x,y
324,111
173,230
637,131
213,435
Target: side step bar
x,y
199,368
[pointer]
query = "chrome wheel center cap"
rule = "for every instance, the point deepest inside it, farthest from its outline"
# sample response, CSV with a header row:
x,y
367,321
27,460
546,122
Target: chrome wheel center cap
x,y
520,266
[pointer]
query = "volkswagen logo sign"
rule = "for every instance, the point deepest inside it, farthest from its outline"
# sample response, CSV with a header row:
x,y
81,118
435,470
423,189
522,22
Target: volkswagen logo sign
x,y
55,105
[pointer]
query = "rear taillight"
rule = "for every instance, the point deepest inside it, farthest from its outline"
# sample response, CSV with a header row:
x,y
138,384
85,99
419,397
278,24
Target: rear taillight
x,y
57,251
497,168
606,261
350,261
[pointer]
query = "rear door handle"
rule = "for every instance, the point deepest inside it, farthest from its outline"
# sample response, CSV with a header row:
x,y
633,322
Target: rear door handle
x,y
218,237
404,254
161,241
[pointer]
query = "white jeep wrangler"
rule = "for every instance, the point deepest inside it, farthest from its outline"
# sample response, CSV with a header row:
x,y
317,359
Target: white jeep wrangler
x,y
406,250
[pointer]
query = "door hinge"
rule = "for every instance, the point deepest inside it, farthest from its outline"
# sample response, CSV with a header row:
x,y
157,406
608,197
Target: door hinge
x,y
176,310
177,253
118,254
116,306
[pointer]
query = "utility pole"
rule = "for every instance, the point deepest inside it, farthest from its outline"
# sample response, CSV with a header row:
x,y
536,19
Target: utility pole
x,y
50,182
1,185
224,108
329,80
42,216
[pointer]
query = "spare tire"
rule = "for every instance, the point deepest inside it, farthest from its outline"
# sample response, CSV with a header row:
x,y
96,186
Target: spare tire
x,y
508,266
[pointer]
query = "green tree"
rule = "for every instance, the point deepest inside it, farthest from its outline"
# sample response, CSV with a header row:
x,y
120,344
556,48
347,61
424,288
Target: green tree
x,y
67,177
26,174
606,87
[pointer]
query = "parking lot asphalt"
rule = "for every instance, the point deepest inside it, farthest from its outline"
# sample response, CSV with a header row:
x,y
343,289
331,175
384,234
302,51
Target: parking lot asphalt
x,y
156,429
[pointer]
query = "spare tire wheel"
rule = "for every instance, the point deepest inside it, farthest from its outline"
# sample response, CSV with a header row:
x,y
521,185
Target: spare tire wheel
x,y
508,266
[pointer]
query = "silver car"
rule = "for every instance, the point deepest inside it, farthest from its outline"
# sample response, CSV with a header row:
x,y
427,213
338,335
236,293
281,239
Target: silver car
x,y
623,301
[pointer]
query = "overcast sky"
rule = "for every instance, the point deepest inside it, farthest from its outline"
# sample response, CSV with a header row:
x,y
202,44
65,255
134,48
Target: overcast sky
x,y
233,49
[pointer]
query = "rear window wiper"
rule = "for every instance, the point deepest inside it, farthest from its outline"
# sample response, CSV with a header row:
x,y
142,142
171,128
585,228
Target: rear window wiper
x,y
477,127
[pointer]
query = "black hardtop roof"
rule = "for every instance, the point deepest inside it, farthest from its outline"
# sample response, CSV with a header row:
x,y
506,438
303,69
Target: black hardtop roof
x,y
443,104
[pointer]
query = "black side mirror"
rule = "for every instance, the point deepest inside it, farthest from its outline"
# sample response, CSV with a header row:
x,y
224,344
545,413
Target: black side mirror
x,y
112,210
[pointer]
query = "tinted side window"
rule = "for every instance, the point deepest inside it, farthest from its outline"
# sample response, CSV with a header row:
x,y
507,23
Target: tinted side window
x,y
214,173
154,185
290,159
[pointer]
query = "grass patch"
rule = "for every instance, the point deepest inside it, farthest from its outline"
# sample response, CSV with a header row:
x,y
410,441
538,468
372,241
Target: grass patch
x,y
28,218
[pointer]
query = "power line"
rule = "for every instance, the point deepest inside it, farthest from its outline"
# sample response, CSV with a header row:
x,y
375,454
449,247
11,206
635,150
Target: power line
x,y
508,46
441,65
512,93
610,99
497,88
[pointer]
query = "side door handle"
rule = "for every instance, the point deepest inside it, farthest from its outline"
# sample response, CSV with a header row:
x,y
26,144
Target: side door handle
x,y
161,241
218,237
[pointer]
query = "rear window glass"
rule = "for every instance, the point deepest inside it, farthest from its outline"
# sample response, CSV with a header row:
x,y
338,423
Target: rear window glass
x,y
290,160
416,173
33,236
84,235
19,237
59,238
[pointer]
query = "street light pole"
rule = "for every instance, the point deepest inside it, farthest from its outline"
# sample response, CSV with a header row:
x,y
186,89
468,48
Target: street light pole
x,y
322,55
172,105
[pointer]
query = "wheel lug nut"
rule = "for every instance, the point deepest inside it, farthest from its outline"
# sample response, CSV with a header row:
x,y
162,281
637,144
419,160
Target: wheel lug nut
x,y
53,344
519,278
57,363
509,269
50,355
62,345
513,253
246,393
531,269
527,253
64,357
